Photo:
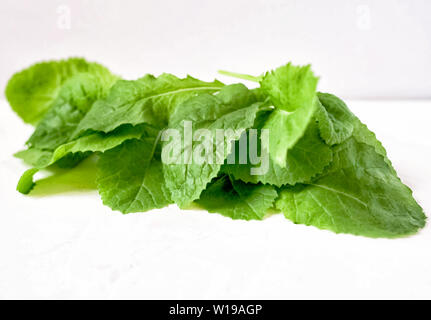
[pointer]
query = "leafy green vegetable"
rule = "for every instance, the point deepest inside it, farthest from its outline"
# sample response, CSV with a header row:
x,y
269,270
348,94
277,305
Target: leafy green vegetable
x,y
230,150
147,100
359,194
364,135
308,158
35,157
96,142
130,177
74,99
233,109
32,91
336,122
290,87
236,199
292,90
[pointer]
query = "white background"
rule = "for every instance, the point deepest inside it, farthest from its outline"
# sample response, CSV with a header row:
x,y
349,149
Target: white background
x,y
360,48
71,246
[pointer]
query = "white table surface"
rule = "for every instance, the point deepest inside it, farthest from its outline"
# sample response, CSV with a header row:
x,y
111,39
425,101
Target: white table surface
x,y
72,246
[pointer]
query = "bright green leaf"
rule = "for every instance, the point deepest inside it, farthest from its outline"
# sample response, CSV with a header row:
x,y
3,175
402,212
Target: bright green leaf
x,y
308,158
148,100
32,91
186,180
336,122
290,87
74,99
96,142
359,194
130,177
236,199
292,90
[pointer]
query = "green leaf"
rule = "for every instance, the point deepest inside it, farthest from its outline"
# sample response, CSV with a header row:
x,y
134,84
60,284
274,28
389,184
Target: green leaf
x,y
336,122
96,142
359,194
75,98
325,168
362,134
236,199
308,158
290,87
35,157
292,90
32,91
130,177
99,141
186,180
285,130
148,100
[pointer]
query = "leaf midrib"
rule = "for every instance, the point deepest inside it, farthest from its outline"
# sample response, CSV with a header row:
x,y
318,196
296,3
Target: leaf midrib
x,y
143,186
340,192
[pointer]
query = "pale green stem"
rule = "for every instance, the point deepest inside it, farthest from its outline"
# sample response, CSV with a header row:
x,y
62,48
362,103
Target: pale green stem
x,y
240,76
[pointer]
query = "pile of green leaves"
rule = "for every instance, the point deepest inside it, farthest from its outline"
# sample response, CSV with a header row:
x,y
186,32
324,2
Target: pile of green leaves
x,y
326,168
